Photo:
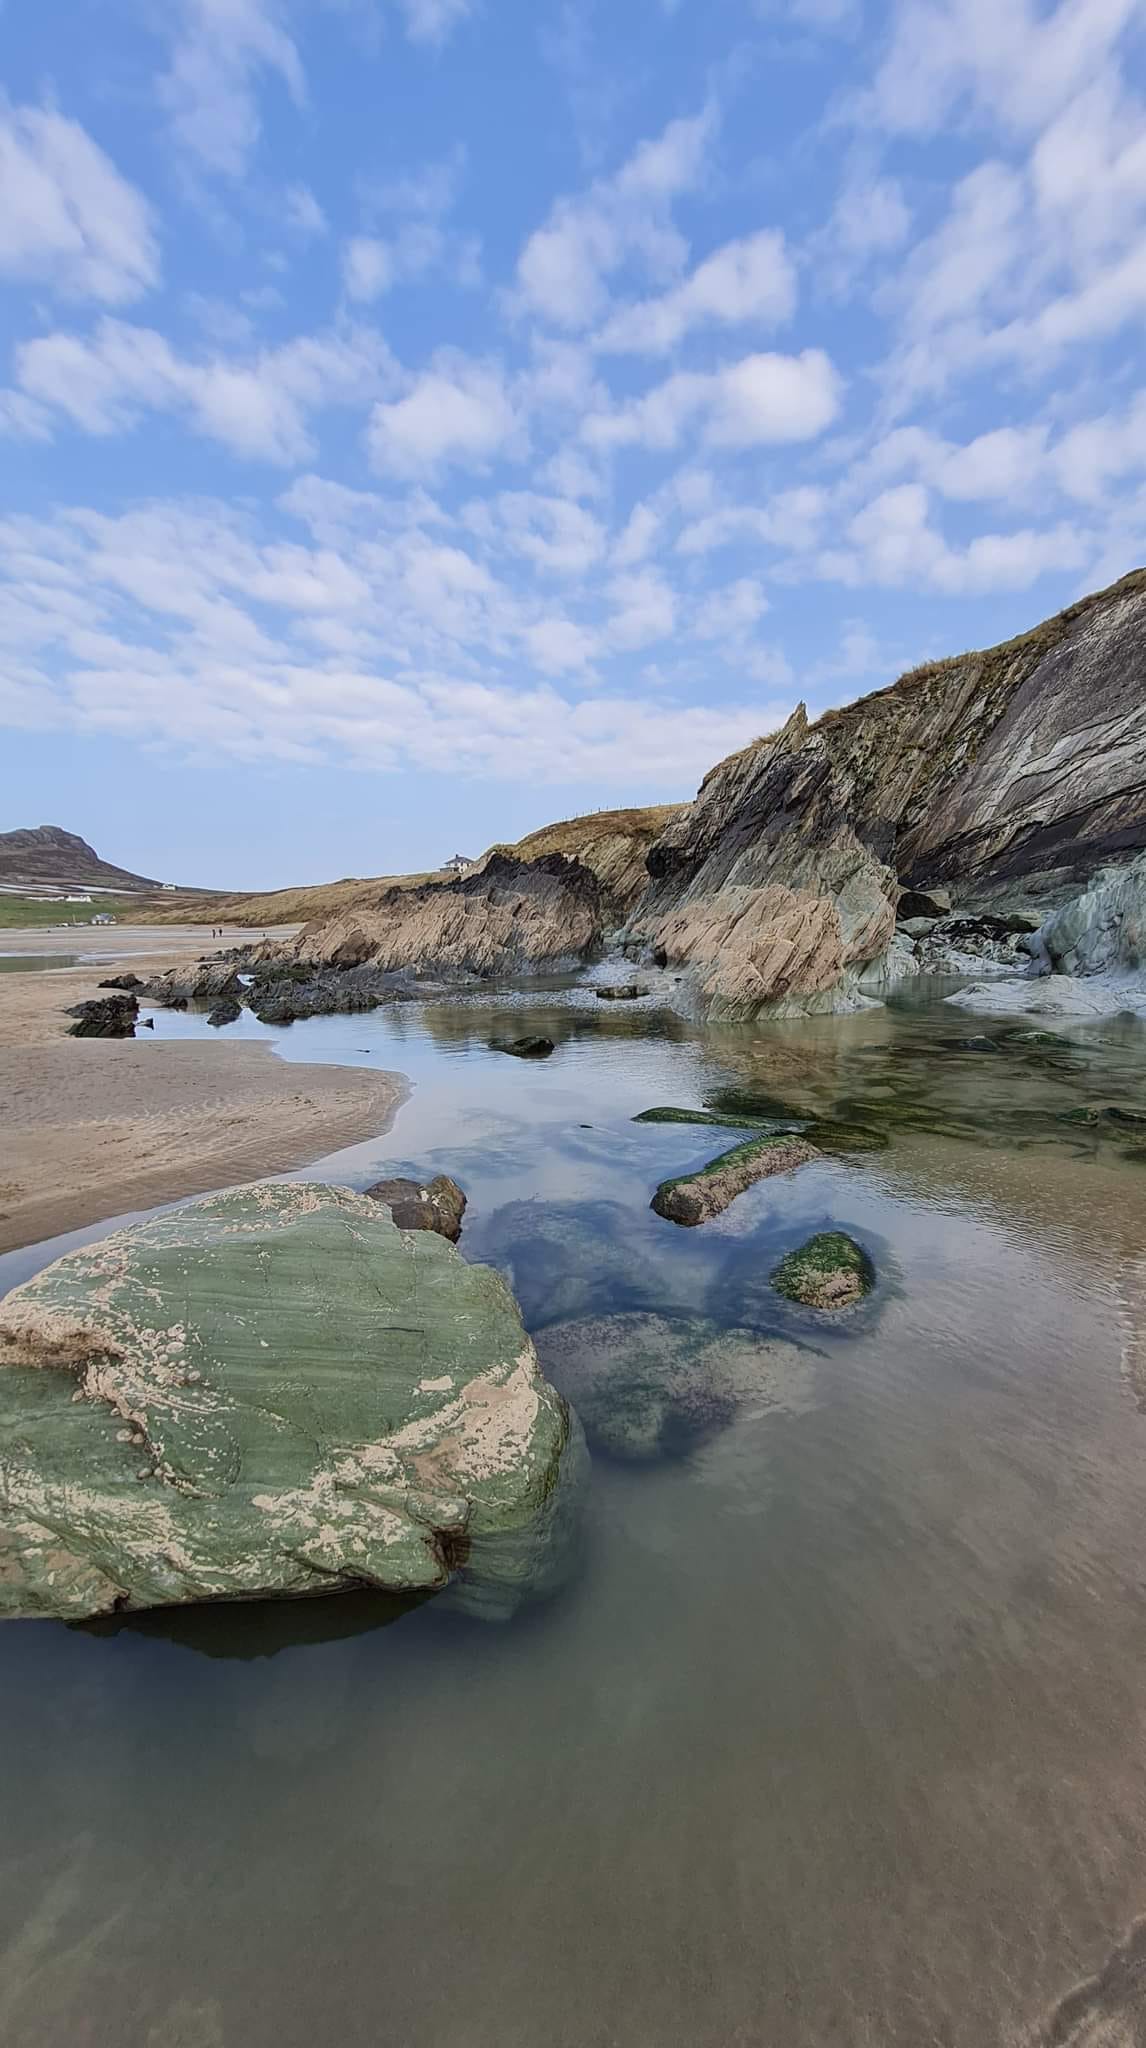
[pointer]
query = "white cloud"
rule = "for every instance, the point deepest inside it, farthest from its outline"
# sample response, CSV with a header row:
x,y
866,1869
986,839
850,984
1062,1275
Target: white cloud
x,y
67,217
644,610
221,49
367,267
457,412
729,613
556,534
761,398
432,21
257,406
563,269
896,544
748,281
1009,59
303,211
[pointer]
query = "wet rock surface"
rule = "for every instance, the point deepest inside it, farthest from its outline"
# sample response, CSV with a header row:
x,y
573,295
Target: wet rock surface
x,y
693,1197
649,1386
532,1047
104,1017
437,1204
269,1393
622,992
829,1271
227,1012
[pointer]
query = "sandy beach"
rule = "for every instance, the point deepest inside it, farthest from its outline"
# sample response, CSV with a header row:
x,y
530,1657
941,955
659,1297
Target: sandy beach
x,y
93,1127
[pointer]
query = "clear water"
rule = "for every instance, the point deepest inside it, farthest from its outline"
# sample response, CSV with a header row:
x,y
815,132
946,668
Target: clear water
x,y
839,1735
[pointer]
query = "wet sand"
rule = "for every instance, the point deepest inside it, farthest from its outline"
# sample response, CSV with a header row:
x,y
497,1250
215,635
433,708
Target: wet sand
x,y
95,1127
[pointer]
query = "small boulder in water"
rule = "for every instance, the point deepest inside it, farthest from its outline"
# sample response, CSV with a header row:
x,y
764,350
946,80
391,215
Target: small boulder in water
x,y
830,1271
226,1012
438,1204
693,1197
533,1048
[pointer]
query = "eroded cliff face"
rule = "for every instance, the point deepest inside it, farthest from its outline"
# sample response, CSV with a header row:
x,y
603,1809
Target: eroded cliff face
x,y
1008,775
507,917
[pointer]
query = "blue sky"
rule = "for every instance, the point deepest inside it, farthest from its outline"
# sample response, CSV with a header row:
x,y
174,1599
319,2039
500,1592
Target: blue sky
x,y
420,419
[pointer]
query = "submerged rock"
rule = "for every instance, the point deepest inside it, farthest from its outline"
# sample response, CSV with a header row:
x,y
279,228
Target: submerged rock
x,y
438,1204
566,1259
267,1393
829,1134
650,1386
534,1048
104,1017
830,1271
694,1197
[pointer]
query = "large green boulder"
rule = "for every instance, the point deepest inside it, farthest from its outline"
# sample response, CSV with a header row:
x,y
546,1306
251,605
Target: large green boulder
x,y
273,1392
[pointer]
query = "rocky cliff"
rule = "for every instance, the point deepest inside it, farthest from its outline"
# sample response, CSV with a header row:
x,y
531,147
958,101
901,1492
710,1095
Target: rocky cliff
x,y
506,917
1009,775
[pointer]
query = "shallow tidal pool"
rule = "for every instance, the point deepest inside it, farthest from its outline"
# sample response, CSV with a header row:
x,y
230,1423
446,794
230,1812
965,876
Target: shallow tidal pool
x,y
836,1735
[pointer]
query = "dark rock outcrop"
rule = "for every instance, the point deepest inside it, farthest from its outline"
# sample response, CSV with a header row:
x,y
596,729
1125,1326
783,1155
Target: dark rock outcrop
x,y
226,1012
104,1017
438,1204
122,981
207,981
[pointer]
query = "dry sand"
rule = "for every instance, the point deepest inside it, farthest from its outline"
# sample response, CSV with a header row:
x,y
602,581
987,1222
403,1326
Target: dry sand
x,y
91,1127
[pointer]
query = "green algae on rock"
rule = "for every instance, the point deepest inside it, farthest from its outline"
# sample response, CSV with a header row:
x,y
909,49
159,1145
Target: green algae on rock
x,y
669,1115
650,1386
830,1271
267,1393
693,1197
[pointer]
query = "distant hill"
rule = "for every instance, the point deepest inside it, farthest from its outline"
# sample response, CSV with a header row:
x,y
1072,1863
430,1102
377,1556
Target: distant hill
x,y
46,858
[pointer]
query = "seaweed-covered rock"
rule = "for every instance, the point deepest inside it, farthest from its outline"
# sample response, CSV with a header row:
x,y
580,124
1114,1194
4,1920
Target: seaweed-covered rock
x,y
438,1204
104,1017
652,1386
668,1115
693,1197
272,1392
830,1271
